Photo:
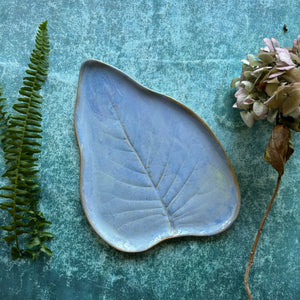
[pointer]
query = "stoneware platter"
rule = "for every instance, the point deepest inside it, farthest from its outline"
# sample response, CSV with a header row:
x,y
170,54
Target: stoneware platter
x,y
151,169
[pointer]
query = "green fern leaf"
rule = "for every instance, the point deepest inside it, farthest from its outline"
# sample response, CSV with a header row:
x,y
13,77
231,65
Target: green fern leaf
x,y
46,250
7,227
10,238
20,133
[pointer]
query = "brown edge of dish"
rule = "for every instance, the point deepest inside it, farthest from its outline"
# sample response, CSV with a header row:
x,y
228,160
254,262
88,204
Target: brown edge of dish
x,y
189,111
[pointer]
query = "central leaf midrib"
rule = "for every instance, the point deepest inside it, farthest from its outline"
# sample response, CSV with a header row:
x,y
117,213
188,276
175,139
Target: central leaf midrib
x,y
139,159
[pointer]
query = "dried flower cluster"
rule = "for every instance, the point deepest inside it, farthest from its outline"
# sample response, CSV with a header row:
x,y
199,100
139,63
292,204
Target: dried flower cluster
x,y
269,86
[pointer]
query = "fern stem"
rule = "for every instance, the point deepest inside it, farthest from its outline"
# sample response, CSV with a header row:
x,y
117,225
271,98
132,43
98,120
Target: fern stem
x,y
15,225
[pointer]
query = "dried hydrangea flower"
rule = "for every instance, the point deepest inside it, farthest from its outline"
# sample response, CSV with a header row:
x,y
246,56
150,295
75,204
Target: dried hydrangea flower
x,y
269,85
269,88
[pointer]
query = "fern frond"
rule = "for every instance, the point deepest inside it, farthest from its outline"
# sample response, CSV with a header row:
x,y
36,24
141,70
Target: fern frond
x,y
22,130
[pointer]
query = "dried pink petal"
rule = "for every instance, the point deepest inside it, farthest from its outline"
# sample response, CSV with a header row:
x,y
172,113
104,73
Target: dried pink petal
x,y
275,43
284,67
241,94
269,44
276,74
284,56
247,117
260,110
243,99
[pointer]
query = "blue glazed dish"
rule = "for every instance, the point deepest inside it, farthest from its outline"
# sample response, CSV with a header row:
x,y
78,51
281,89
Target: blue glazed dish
x,y
151,169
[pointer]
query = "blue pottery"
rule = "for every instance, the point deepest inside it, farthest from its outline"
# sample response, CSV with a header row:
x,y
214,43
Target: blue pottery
x,y
151,169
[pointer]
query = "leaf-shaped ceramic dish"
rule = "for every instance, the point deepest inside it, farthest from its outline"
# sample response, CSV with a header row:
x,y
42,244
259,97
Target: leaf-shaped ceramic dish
x,y
151,169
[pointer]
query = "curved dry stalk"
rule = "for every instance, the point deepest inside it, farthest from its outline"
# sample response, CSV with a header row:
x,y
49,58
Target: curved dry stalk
x,y
257,238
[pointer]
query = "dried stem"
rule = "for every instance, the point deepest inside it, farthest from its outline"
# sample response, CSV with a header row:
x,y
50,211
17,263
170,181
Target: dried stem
x,y
257,238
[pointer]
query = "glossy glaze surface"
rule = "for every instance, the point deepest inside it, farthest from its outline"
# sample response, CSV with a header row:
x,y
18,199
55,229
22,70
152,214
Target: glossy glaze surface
x,y
151,169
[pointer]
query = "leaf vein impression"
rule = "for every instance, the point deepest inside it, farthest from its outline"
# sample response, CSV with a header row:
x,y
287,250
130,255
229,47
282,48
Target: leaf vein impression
x,y
183,186
165,169
140,161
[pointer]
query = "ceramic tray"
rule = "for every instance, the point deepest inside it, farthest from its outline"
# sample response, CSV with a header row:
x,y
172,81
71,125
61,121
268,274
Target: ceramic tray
x,y
151,169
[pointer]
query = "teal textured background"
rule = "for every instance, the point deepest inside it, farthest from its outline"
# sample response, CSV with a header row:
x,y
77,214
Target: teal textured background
x,y
189,50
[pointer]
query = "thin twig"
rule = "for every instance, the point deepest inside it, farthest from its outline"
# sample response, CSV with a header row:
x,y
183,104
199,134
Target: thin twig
x,y
257,238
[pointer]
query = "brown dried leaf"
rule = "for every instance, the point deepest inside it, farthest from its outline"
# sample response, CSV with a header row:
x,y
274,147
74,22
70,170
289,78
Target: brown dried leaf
x,y
292,75
286,98
271,88
292,102
267,57
280,148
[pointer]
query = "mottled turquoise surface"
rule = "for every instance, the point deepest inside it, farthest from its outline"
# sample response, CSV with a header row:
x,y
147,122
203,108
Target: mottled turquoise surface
x,y
189,50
